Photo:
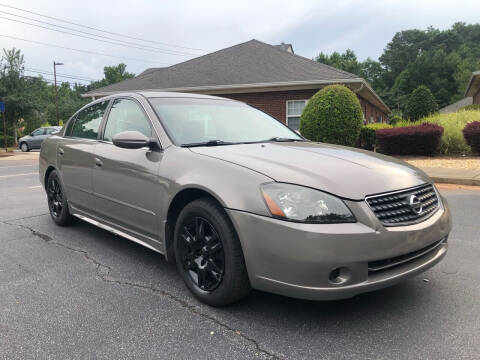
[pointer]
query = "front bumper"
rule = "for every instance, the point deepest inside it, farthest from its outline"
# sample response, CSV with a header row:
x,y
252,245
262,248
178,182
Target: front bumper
x,y
297,260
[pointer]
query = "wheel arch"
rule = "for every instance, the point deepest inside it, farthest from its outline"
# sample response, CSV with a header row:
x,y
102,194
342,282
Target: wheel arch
x,y
49,170
179,201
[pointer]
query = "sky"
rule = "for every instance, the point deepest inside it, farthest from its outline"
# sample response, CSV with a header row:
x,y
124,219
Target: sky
x,y
182,29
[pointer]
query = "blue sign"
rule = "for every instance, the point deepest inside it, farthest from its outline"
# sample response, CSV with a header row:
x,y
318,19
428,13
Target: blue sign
x,y
2,107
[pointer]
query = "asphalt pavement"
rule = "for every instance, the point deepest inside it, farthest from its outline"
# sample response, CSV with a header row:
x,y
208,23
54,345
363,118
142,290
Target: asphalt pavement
x,y
80,292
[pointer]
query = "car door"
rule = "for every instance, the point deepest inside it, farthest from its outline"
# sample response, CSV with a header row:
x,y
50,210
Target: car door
x,y
36,138
75,153
125,181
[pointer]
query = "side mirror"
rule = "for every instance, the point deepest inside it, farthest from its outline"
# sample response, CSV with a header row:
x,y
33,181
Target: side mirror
x,y
31,134
133,140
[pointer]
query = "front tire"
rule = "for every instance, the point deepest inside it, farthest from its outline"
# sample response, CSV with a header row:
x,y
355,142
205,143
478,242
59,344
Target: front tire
x,y
24,147
57,200
208,254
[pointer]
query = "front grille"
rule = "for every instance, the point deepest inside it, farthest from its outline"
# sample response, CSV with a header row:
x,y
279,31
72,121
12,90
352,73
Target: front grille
x,y
379,265
395,208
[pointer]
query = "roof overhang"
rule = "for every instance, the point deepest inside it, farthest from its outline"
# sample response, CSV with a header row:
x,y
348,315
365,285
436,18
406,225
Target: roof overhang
x,y
473,85
358,85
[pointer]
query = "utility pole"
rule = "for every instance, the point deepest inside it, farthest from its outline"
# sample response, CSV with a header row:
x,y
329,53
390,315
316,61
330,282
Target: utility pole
x,y
5,131
2,111
55,64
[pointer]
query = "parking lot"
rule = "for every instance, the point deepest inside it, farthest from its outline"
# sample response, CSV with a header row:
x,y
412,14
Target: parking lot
x,y
81,292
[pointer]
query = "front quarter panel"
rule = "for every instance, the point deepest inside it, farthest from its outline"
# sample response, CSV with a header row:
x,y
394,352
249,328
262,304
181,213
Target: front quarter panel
x,y
234,186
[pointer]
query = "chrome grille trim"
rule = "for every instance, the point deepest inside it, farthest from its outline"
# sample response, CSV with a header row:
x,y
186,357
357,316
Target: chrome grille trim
x,y
393,209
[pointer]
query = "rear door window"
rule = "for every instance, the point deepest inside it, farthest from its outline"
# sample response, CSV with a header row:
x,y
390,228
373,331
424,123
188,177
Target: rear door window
x,y
88,121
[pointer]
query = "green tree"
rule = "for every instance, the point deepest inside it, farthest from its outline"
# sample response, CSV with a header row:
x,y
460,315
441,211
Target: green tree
x,y
14,90
333,115
421,103
112,75
346,61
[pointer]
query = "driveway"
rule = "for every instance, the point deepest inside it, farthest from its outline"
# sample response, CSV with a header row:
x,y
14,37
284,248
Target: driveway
x,y
81,292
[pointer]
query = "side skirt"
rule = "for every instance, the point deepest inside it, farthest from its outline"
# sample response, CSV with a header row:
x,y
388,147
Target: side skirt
x,y
116,231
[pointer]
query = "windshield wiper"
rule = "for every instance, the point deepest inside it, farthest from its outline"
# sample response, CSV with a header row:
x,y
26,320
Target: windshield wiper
x,y
209,143
280,139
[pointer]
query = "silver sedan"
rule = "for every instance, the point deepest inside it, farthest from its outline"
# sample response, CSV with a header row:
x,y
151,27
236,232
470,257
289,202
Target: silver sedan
x,y
240,201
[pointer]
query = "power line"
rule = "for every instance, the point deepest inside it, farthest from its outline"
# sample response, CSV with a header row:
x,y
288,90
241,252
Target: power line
x,y
58,75
101,30
53,81
79,50
115,42
62,74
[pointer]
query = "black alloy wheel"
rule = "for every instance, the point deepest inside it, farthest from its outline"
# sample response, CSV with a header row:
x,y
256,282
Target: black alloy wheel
x,y
209,255
57,200
55,197
202,255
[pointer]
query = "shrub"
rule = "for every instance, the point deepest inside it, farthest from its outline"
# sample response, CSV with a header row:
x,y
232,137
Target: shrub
x,y
367,139
421,103
470,107
10,141
453,141
471,132
421,139
333,115
394,119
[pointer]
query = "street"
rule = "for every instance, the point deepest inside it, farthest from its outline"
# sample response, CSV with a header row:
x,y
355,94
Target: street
x,y
81,292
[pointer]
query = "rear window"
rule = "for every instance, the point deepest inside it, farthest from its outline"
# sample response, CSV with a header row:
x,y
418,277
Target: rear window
x,y
88,121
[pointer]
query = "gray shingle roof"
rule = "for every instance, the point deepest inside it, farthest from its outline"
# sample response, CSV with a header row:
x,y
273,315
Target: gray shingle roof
x,y
252,62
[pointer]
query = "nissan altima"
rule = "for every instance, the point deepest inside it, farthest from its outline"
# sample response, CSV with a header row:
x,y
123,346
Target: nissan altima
x,y
240,201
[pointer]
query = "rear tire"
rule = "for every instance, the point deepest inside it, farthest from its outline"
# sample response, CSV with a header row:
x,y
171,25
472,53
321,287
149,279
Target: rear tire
x,y
24,147
57,200
209,256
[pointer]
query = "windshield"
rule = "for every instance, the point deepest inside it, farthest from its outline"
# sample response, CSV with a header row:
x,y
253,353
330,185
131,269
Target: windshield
x,y
197,121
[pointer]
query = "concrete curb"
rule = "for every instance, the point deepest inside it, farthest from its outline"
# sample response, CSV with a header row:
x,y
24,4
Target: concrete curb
x,y
454,176
456,181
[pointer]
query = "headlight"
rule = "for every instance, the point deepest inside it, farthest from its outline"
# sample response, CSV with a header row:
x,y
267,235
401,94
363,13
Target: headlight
x,y
298,203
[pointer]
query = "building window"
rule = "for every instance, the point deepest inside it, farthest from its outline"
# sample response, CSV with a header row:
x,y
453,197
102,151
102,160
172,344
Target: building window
x,y
294,110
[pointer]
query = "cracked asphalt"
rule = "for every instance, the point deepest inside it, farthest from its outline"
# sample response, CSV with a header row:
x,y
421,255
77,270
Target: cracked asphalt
x,y
81,292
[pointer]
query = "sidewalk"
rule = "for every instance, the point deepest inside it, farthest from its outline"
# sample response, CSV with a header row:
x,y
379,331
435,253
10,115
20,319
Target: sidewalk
x,y
15,156
453,176
449,169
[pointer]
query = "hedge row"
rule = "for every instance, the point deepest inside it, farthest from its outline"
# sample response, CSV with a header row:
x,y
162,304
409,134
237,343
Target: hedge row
x,y
421,139
368,139
471,132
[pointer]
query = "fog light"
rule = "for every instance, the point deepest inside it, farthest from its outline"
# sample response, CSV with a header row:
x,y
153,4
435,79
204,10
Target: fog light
x,y
339,275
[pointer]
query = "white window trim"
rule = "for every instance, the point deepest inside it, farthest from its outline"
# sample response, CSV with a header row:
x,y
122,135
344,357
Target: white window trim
x,y
286,108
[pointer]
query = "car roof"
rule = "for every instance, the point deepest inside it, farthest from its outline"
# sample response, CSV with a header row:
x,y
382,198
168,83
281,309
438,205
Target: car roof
x,y
165,94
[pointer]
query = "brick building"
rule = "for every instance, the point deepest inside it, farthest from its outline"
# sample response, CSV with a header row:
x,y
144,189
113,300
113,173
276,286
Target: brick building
x,y
271,78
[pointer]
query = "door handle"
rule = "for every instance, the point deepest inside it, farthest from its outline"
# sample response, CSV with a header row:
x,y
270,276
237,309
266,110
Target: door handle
x,y
61,151
98,162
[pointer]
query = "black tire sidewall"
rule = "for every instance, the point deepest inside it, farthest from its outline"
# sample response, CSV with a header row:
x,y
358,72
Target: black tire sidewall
x,y
215,215
65,218
26,145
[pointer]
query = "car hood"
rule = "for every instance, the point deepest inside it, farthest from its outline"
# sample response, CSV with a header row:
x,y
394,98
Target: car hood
x,y
346,172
